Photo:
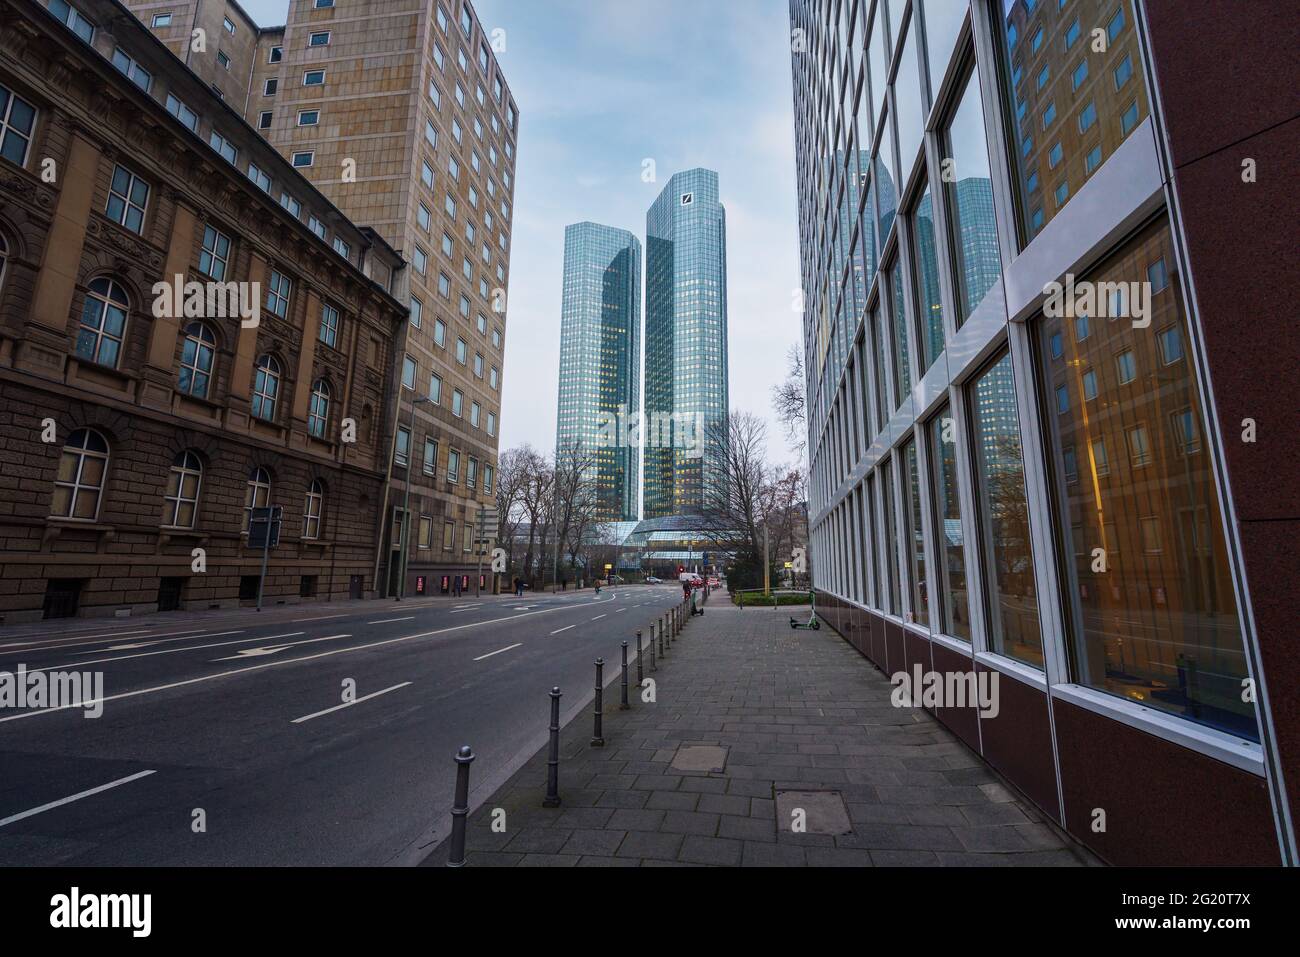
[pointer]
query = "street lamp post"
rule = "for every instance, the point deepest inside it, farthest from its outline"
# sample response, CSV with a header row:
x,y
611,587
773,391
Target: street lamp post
x,y
406,502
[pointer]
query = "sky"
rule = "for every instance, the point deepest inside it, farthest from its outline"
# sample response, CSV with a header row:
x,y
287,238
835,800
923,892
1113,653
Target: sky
x,y
604,85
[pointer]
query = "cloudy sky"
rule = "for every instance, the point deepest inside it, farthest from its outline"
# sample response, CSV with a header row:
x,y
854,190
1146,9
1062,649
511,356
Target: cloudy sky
x,y
602,86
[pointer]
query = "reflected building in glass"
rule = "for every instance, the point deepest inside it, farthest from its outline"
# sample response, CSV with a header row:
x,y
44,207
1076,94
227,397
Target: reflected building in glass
x,y
686,399
1015,464
600,363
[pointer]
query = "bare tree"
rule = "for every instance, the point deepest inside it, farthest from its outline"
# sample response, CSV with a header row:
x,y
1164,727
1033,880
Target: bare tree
x,y
512,477
736,498
790,400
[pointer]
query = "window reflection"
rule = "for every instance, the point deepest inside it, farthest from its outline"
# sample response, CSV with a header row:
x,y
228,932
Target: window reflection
x,y
915,540
1149,596
891,539
1004,517
902,362
926,269
970,203
1099,97
908,107
951,554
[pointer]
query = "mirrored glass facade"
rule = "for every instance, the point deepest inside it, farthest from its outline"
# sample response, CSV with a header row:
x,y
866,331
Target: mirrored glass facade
x,y
600,363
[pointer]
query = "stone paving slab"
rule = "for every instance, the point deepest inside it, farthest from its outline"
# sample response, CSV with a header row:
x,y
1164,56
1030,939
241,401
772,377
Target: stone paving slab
x,y
781,712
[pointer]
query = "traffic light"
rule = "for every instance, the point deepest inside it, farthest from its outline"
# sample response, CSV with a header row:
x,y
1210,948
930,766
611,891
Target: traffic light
x,y
680,569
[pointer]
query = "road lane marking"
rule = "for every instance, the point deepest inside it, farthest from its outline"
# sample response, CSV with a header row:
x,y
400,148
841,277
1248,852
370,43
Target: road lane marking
x,y
617,610
271,664
598,618
165,651
142,636
565,628
298,621
76,797
387,621
348,704
272,649
518,644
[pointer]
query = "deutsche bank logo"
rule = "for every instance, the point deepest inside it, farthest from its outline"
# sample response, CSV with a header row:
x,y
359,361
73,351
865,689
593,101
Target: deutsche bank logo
x,y
688,198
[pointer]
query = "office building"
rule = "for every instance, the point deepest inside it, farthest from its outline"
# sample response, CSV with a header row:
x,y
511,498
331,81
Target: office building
x,y
1042,443
400,114
600,364
686,391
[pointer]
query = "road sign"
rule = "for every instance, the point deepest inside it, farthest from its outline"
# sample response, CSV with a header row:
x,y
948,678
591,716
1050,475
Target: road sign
x,y
264,522
488,520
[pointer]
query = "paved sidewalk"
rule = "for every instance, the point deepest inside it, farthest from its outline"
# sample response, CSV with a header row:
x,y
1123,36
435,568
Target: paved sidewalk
x,y
795,711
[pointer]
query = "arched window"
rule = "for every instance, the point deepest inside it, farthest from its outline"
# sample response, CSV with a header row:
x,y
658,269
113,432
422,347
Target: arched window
x,y
103,323
80,482
181,503
258,494
196,360
266,388
318,414
312,510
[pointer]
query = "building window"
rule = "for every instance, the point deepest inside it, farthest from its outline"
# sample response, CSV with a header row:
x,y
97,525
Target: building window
x,y
424,217
426,174
161,20
491,423
329,325
80,479
974,243
229,152
181,503
1012,602
308,117
318,411
453,466
474,411
321,39
420,259
1096,116
316,226
257,493
1171,345
951,552
402,448
426,533
103,323
266,388
73,19
128,196
17,120
902,360
461,351
277,294
223,60
312,509
304,158
440,332
342,248
435,388
1126,366
471,472
197,357
409,370
895,601
271,86
417,312
926,263
258,176
448,536
430,457
920,585
264,120
457,402
133,70
313,78
275,55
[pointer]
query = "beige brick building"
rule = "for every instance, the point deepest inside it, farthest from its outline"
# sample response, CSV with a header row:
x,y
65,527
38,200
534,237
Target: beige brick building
x,y
397,111
135,438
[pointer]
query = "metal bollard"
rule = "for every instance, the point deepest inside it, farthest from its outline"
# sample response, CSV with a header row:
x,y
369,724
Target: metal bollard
x,y
552,798
659,636
639,676
597,737
654,665
623,705
460,807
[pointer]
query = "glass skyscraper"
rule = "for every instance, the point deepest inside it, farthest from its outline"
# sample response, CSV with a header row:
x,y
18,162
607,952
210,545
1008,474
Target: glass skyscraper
x,y
600,361
686,343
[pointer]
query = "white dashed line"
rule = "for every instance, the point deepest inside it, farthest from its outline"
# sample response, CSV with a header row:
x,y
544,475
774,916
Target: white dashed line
x,y
348,704
598,618
499,651
76,797
565,628
321,618
389,621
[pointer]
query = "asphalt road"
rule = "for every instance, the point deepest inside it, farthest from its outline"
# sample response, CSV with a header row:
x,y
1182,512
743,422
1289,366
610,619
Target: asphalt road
x,y
238,716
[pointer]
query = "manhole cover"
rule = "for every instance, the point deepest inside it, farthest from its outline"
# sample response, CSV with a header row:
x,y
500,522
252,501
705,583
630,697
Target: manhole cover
x,y
819,812
700,757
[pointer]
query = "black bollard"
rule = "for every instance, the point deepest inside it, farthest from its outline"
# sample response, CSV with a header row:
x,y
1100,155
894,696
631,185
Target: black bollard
x,y
552,798
623,705
654,665
639,676
597,737
460,807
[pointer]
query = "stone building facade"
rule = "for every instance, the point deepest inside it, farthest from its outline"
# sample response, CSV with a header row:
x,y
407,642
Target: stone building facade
x,y
136,436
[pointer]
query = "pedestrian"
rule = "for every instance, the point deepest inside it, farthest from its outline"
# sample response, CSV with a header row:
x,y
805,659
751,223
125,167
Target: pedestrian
x,y
686,589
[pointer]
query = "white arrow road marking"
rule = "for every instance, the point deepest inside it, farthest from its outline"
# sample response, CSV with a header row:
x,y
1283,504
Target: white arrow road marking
x,y
499,650
565,628
76,797
272,649
348,704
56,644
167,651
386,621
